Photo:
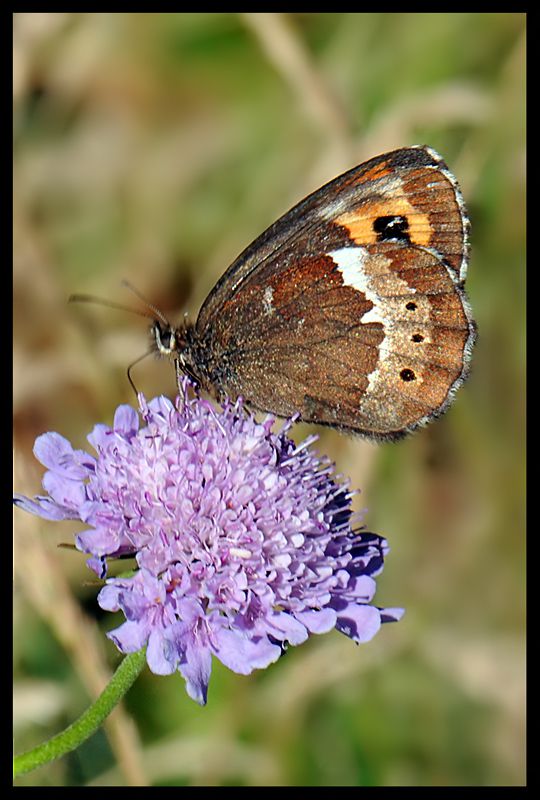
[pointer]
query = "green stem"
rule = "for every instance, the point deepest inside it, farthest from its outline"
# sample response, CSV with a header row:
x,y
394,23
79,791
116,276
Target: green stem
x,y
89,722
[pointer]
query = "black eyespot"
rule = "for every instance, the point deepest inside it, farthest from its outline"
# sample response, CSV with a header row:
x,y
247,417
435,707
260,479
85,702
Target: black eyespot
x,y
392,229
417,337
411,306
407,375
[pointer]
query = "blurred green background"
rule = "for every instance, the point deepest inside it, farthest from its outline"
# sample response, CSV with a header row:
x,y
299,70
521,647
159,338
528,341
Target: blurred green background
x,y
155,147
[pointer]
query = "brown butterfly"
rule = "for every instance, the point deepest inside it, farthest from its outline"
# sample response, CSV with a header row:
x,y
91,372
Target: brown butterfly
x,y
350,309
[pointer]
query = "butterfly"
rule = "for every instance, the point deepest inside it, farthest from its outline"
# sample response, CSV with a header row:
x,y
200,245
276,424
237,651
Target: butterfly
x,y
349,310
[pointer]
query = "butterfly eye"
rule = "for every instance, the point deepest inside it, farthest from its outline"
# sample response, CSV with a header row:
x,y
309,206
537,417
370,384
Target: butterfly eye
x,y
165,339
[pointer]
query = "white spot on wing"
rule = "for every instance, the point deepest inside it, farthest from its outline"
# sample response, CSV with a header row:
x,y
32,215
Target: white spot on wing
x,y
268,299
350,262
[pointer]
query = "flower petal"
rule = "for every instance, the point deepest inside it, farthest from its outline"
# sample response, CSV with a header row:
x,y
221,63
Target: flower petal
x,y
64,491
359,622
159,654
318,621
98,541
44,507
196,670
57,454
129,637
391,614
242,654
126,421
286,627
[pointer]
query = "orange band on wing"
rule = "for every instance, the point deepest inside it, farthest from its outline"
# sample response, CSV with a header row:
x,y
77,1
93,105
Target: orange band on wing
x,y
359,223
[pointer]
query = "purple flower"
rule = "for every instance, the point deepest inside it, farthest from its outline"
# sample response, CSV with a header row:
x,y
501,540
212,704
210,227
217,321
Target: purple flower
x,y
244,542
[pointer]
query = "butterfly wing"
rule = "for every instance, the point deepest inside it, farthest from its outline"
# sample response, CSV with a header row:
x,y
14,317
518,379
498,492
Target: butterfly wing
x,y
350,308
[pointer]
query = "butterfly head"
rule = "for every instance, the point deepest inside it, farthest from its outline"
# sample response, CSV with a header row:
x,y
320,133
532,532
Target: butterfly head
x,y
171,341
166,339
179,345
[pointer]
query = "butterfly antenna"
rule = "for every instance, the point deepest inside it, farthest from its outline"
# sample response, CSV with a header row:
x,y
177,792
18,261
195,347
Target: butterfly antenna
x,y
90,298
155,311
152,313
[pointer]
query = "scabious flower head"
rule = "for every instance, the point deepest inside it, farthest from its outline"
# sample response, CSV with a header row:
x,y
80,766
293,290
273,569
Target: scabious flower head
x,y
244,542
